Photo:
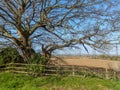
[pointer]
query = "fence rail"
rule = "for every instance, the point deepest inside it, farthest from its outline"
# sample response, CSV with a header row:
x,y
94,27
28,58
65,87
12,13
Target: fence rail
x,y
36,69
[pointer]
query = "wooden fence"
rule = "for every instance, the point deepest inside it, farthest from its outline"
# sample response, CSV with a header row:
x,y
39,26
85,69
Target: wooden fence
x,y
35,69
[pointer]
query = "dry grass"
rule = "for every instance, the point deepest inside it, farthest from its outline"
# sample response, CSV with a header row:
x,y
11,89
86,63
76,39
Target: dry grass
x,y
86,61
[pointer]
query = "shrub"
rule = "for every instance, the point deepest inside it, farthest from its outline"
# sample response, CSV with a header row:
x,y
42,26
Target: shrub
x,y
37,64
38,59
10,55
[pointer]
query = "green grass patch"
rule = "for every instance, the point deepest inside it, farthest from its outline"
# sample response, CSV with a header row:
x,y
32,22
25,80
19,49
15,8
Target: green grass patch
x,y
11,81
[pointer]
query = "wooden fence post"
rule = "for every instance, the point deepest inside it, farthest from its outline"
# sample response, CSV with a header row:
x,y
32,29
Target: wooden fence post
x,y
106,73
73,71
115,74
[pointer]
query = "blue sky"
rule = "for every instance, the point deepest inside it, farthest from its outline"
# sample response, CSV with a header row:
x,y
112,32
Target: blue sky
x,y
87,22
82,51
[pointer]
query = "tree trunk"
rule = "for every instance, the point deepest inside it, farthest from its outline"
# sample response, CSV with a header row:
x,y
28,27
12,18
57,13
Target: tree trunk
x,y
45,52
24,45
27,53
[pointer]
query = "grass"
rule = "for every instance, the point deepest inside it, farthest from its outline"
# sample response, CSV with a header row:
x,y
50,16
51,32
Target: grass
x,y
11,81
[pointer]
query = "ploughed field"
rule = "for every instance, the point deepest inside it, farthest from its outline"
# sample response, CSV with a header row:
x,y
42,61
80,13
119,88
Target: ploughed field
x,y
86,61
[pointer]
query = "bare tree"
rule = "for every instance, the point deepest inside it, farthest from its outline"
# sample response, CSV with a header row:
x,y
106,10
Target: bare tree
x,y
54,24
